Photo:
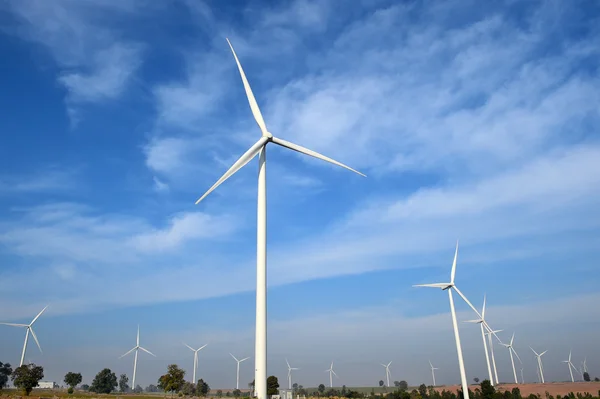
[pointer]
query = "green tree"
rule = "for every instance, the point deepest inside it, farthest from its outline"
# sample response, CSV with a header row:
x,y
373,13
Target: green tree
x,y
123,383
138,389
403,385
586,376
202,388
73,379
85,387
423,390
321,388
5,372
396,384
516,393
381,383
487,390
476,380
188,389
236,393
272,385
173,380
27,376
219,393
104,382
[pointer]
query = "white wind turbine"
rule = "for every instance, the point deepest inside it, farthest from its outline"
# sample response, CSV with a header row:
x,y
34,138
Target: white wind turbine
x,y
195,359
136,348
481,322
522,378
539,362
433,372
290,368
585,369
491,343
570,366
29,330
511,350
449,287
259,148
237,379
387,372
331,374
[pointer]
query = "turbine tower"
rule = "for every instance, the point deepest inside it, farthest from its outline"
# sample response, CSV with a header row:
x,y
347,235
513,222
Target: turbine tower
x,y
433,372
260,149
195,359
449,287
290,368
387,372
29,330
570,365
539,362
511,350
136,348
481,322
237,379
491,343
331,374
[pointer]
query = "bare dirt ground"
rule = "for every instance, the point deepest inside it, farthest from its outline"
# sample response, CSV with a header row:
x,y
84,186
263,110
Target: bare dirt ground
x,y
554,388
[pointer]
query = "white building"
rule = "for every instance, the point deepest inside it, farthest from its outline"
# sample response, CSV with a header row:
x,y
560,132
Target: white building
x,y
46,385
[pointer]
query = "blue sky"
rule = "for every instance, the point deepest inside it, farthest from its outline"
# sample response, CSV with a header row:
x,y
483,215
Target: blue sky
x,y
472,122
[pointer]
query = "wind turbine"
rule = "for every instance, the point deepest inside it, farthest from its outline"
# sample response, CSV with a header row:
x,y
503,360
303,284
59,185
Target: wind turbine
x,y
489,335
570,365
136,348
29,330
585,369
387,372
539,361
481,322
331,374
195,359
511,350
433,372
290,368
260,149
449,287
522,378
237,380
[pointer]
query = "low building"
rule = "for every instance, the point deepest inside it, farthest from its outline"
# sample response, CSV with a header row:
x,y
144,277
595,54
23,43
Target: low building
x,y
47,385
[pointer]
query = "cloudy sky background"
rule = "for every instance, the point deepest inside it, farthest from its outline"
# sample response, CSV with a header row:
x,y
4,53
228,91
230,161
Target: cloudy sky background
x,y
473,121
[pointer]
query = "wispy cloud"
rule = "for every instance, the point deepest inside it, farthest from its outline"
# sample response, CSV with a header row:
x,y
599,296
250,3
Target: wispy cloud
x,y
48,180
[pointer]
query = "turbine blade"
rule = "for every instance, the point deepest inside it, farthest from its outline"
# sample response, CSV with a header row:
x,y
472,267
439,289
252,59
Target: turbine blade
x,y
430,364
138,336
253,105
459,292
434,285
534,351
334,373
543,352
202,347
246,358
192,349
147,351
35,339
39,314
483,311
516,354
14,325
288,364
240,163
128,352
389,364
453,273
512,339
472,321
312,153
235,358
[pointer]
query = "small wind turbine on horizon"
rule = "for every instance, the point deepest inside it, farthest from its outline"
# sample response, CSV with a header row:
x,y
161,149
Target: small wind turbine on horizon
x,y
522,378
29,330
136,348
260,149
387,372
482,323
290,368
237,379
511,350
449,287
570,366
539,362
433,372
195,359
331,374
585,369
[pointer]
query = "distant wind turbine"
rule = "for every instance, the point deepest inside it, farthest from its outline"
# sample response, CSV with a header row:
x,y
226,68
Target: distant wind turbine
x,y
331,374
387,372
481,322
136,348
449,287
585,369
195,359
539,362
522,378
29,330
260,149
511,350
237,379
570,366
433,372
290,368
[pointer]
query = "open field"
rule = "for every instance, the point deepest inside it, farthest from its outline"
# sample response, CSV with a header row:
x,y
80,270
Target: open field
x,y
552,388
